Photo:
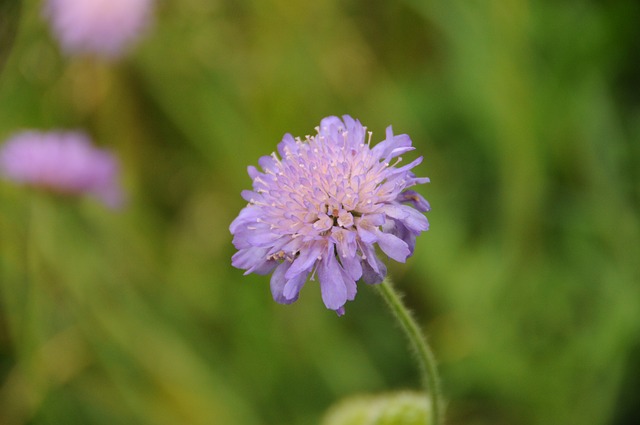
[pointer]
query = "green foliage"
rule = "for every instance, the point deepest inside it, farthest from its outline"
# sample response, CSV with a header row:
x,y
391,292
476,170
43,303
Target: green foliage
x,y
9,18
403,408
527,283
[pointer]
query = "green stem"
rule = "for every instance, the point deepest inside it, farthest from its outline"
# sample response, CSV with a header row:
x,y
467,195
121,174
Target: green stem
x,y
419,342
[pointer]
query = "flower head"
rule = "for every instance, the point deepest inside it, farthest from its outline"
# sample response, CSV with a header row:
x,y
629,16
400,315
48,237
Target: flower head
x,y
101,27
323,206
63,162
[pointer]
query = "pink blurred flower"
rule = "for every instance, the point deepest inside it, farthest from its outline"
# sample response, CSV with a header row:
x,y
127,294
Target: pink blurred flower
x,y
102,27
63,162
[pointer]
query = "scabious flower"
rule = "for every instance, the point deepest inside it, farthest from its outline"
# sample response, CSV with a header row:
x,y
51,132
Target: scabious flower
x,y
101,27
323,206
62,162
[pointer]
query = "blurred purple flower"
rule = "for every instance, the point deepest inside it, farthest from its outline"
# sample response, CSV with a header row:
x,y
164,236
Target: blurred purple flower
x,y
323,207
63,162
101,27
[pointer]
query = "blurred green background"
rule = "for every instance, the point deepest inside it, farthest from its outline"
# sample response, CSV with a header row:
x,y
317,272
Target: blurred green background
x,y
528,283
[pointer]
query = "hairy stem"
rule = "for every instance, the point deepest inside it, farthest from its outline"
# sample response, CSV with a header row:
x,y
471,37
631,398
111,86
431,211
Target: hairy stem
x,y
419,342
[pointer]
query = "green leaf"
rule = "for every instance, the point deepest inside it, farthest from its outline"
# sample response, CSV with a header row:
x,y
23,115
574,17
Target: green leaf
x,y
402,408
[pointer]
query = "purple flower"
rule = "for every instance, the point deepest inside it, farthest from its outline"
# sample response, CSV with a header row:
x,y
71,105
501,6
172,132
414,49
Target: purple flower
x,y
101,27
63,162
323,207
